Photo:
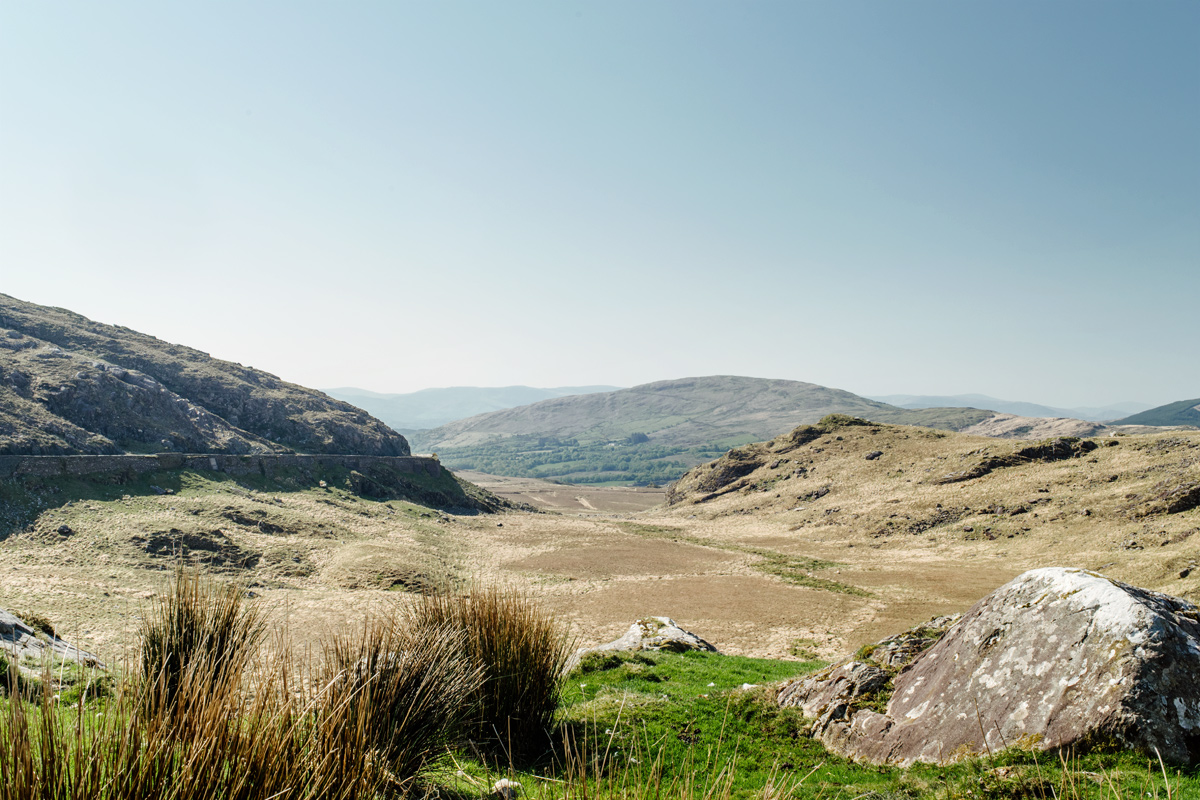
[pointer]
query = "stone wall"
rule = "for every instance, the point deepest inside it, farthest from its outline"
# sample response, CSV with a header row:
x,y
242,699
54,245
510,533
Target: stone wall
x,y
268,465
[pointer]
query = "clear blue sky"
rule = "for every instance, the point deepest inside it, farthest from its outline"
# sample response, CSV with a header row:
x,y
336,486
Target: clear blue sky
x,y
886,197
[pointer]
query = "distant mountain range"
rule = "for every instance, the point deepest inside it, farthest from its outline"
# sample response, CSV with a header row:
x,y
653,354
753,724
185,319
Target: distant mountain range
x,y
1183,412
430,408
69,385
1020,409
655,431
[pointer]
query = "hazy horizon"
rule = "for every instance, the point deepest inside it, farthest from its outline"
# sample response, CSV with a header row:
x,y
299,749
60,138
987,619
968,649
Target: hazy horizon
x,y
926,198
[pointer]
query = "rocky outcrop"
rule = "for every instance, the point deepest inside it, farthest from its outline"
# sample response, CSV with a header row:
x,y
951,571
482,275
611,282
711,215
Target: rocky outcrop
x,y
1011,426
21,642
1050,450
836,693
657,633
69,385
648,633
1056,659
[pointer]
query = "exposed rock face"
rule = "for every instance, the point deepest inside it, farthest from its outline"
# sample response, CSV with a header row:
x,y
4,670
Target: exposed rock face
x,y
18,641
1011,426
1057,658
1051,450
69,385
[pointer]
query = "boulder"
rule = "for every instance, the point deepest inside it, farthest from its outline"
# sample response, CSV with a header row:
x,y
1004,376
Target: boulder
x,y
19,641
649,633
1056,659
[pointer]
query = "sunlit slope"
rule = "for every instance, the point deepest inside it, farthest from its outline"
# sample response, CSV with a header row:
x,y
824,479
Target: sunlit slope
x,y
1184,412
1127,505
72,385
653,432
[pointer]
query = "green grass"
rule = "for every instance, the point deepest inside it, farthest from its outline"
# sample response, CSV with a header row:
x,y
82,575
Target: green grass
x,y
658,725
598,463
630,726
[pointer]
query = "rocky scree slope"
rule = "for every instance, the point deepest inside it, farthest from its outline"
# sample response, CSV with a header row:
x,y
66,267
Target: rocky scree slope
x,y
69,385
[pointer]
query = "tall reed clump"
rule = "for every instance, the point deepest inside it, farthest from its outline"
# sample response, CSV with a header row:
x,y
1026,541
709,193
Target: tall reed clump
x,y
187,725
521,651
199,635
392,699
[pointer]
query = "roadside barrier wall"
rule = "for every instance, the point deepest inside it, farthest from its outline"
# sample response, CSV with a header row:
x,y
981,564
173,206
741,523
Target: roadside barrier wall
x,y
268,465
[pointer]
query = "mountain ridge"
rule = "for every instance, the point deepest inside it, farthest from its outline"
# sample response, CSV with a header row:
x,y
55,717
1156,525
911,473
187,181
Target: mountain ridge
x,y
1181,412
1014,407
654,431
431,408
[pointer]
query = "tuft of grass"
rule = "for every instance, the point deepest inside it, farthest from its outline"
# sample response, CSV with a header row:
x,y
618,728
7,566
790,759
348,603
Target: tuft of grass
x,y
36,621
397,693
197,631
521,651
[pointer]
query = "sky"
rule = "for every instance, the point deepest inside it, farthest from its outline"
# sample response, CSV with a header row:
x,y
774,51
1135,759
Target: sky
x,y
921,197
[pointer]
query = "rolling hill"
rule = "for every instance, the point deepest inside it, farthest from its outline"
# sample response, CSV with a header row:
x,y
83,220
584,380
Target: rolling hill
x,y
1016,408
430,408
653,432
69,385
1184,412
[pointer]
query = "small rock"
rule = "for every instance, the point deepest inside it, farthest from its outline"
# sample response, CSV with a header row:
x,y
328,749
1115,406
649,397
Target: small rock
x,y
1183,573
873,455
506,789
65,530
649,633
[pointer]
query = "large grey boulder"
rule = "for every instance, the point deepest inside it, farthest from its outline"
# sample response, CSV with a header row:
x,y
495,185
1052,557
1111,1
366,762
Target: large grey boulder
x,y
1057,658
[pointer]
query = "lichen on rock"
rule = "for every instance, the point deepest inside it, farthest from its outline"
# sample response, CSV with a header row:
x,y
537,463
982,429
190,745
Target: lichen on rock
x,y
1057,658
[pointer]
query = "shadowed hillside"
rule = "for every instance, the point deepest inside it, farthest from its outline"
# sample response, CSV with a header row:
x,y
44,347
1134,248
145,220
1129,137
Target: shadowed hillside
x,y
71,385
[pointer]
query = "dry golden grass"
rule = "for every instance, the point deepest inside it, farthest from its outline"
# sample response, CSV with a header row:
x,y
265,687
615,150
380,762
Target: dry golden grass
x,y
753,570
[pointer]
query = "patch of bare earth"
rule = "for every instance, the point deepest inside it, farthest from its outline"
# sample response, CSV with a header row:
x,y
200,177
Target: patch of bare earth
x,y
568,498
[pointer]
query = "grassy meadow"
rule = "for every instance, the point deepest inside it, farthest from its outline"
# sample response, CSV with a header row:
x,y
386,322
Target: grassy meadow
x,y
453,698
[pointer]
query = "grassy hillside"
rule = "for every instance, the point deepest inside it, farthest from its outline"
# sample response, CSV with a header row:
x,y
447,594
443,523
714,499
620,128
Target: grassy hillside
x,y
430,408
1184,412
1089,502
653,432
71,385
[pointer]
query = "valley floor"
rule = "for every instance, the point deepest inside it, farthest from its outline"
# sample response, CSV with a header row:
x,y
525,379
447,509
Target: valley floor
x,y
752,572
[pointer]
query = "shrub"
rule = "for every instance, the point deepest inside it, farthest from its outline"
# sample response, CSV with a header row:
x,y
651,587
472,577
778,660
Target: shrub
x,y
521,652
198,632
10,676
393,697
37,622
